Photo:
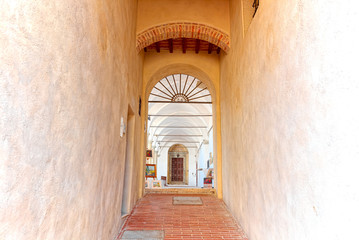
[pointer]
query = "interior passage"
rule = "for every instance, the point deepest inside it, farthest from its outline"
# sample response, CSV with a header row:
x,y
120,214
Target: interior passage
x,y
104,103
186,220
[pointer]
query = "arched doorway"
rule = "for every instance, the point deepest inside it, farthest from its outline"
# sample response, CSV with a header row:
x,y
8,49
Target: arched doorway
x,y
178,165
180,116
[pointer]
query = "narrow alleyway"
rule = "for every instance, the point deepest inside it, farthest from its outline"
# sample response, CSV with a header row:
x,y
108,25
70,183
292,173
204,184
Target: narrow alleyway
x,y
111,109
211,220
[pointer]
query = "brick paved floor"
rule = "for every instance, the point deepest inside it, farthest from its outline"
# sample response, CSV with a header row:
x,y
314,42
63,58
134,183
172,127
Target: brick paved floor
x,y
208,221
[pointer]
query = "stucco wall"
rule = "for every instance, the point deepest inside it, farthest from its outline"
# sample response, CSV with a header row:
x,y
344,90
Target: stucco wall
x,y
192,167
215,13
290,120
202,157
69,69
162,163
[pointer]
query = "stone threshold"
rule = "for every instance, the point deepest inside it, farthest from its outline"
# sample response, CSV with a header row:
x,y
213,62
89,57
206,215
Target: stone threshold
x,y
211,191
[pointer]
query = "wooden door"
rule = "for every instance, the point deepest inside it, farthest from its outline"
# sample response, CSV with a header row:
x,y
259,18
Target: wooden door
x,y
177,169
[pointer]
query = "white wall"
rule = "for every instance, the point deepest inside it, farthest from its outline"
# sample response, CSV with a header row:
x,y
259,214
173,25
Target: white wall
x,y
69,70
290,120
203,157
192,167
210,144
162,163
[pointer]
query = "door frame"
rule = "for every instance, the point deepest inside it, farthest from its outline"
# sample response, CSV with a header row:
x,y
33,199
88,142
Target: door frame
x,y
129,162
178,154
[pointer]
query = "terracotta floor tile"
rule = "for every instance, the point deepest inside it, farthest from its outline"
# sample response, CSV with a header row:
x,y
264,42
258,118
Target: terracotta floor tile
x,y
208,221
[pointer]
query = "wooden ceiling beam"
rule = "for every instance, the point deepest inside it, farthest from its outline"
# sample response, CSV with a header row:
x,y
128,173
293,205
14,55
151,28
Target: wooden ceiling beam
x,y
210,47
198,43
170,45
158,47
184,45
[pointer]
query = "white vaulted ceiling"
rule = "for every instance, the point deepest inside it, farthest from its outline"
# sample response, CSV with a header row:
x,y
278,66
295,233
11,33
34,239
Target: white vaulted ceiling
x,y
180,111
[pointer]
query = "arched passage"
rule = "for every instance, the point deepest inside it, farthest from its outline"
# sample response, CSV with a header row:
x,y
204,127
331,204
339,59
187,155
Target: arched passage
x,y
194,71
180,112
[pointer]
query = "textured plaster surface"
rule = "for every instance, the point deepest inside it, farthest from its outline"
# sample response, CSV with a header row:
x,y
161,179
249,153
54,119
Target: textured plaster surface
x,y
290,120
69,69
155,12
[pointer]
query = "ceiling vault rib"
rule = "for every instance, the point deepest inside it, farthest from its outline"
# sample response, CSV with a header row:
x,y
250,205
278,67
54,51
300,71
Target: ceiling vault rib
x,y
164,146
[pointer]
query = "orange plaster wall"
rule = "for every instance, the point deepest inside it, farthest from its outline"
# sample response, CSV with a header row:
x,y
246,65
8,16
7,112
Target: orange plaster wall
x,y
215,13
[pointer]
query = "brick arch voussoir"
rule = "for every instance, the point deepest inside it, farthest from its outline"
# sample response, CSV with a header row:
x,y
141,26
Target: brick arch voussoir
x,y
183,30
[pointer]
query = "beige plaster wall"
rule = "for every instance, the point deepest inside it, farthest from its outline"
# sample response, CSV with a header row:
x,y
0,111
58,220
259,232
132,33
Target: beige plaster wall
x,y
207,66
155,12
290,120
203,66
69,69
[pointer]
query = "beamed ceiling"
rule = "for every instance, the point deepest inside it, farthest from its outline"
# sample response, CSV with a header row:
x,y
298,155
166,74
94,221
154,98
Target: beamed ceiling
x,y
183,45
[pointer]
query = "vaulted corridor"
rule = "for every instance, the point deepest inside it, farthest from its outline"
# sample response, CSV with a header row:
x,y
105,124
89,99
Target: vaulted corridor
x,y
105,104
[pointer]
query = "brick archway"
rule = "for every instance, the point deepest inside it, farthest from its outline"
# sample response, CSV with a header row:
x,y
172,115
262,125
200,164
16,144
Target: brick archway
x,y
182,30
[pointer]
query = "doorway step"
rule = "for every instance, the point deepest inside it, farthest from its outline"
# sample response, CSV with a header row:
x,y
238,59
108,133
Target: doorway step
x,y
177,190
